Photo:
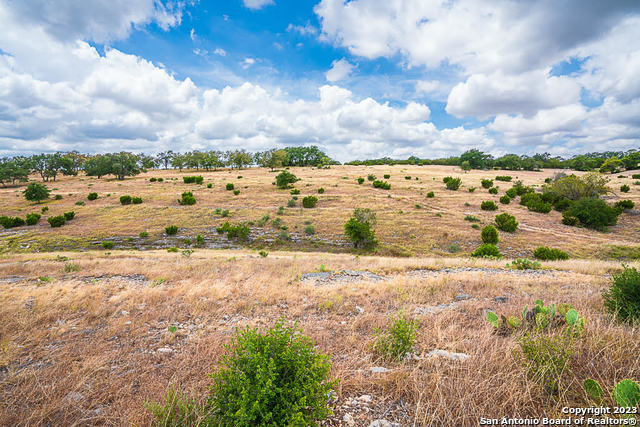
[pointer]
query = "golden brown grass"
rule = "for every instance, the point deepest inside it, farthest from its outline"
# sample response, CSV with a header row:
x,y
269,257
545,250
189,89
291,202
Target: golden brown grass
x,y
403,229
81,347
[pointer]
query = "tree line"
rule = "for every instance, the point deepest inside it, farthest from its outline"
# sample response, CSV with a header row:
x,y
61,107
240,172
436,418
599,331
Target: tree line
x,y
608,161
51,165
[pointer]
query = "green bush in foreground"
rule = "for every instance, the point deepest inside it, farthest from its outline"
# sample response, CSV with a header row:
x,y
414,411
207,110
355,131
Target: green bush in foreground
x,y
171,230
486,183
505,200
381,184
486,250
275,378
69,215
359,229
550,254
239,231
125,200
187,199
285,178
622,299
106,244
453,183
92,196
309,202
229,186
10,222
488,205
36,192
593,213
396,341
430,195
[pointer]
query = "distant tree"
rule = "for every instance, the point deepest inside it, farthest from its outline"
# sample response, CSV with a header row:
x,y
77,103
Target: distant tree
x,y
476,158
12,170
164,158
124,164
465,166
148,162
285,178
611,165
359,229
98,165
239,159
36,192
49,165
272,159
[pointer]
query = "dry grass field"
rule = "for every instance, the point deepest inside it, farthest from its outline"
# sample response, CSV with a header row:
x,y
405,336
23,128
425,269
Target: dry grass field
x,y
84,332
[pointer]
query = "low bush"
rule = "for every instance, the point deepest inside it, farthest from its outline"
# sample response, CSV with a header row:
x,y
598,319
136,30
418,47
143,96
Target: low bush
x,y
546,253
371,177
562,204
309,230
92,196
381,184
152,179
136,200
295,191
568,219
489,235
446,179
625,188
506,222
512,193
10,222
210,185
453,184
199,240
32,218
386,176
488,205
309,202
106,244
58,197
493,190
622,299
291,203
193,179
143,234
472,189
187,199
505,200
624,204
275,378
236,192
430,195
397,340
505,178
125,200
593,213
635,176
486,183
56,221
360,180
486,250
471,218
229,186
524,264
69,215
320,190
521,189
160,179
407,177
237,232
171,230
359,229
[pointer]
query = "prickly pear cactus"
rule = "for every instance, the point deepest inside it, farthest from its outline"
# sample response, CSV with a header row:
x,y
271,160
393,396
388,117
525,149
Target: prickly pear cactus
x,y
593,389
627,393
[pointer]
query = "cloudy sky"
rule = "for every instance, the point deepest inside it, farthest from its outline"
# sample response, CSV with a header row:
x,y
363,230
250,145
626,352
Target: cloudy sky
x,y
360,78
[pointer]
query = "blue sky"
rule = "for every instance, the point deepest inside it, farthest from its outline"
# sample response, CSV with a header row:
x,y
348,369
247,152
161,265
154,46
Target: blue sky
x,y
363,78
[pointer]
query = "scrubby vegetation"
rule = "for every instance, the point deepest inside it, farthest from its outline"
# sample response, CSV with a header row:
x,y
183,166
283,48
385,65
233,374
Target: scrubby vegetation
x,y
487,250
193,179
506,222
622,299
309,202
360,228
397,341
488,205
592,213
187,198
453,183
489,235
550,254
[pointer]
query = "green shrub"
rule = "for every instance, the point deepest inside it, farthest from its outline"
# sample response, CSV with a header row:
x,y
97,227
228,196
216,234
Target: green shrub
x,y
309,202
493,190
550,254
505,178
568,219
625,188
593,213
453,184
545,357
229,186
371,177
521,189
106,244
172,249
397,340
152,179
360,180
488,205
58,197
238,231
408,177
125,200
381,184
92,196
486,183
447,179
193,179
622,299
635,176
561,204
472,189
210,185
136,200
79,203
506,222
622,205
524,264
275,378
320,190
160,179
471,218
294,191
143,234
537,205
386,176
512,192
430,195
171,230
69,215
32,218
56,221
505,200
359,229
486,250
187,199
309,230
291,203
236,192
44,209
10,222
285,178
489,235
36,192
199,240
475,226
